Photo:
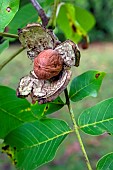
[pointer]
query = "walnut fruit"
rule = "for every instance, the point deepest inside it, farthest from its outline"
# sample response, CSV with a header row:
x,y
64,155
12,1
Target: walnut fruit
x,y
52,61
47,64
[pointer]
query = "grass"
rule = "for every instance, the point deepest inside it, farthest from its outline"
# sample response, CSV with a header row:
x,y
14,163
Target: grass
x,y
69,156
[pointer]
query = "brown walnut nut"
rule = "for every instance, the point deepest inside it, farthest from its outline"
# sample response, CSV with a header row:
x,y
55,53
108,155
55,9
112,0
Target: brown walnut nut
x,y
47,64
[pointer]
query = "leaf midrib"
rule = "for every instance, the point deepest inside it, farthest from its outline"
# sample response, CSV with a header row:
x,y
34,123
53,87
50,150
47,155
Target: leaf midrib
x,y
50,139
95,123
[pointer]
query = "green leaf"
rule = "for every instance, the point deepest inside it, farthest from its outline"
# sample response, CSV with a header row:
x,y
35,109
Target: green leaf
x,y
67,17
98,119
44,4
4,46
87,84
8,9
48,108
36,143
73,18
53,106
26,14
84,15
13,111
106,162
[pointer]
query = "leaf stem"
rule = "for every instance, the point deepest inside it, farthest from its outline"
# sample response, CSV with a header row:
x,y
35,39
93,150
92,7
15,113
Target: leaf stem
x,y
76,130
41,12
4,34
52,21
10,58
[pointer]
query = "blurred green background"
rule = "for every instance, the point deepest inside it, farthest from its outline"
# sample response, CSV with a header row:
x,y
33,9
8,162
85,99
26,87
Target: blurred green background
x,y
99,56
103,13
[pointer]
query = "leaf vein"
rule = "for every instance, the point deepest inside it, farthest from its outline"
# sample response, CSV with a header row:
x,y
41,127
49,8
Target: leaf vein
x,y
11,115
82,89
40,143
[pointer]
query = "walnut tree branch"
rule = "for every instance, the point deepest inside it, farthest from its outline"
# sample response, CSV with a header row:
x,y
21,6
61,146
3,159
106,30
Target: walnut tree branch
x,y
5,34
52,21
41,12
